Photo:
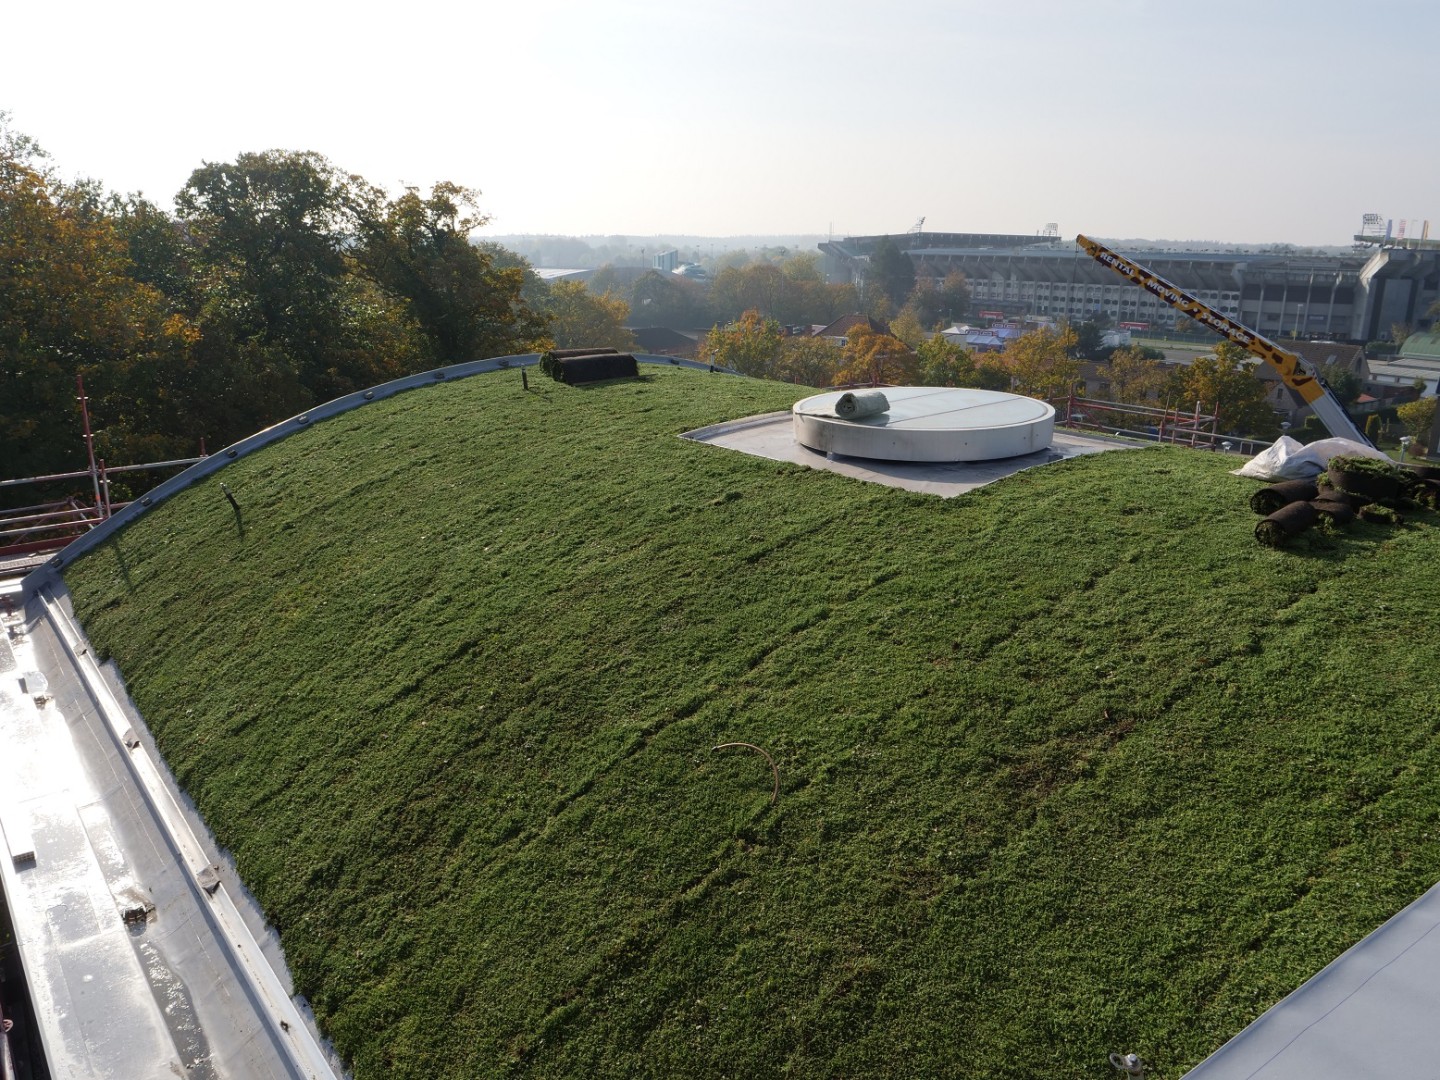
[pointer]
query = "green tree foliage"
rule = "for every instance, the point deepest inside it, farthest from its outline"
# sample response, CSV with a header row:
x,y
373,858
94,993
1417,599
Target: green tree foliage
x,y
1226,384
943,304
1135,377
1089,341
750,345
270,231
534,291
945,363
581,319
658,299
283,282
1343,383
160,251
892,270
69,306
1417,416
759,287
1040,362
793,291
809,361
907,327
419,249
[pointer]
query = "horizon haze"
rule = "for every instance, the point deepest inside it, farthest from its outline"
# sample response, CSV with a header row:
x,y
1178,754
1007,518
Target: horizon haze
x,y
1124,118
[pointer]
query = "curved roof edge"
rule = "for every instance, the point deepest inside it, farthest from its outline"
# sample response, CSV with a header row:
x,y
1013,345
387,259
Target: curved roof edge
x,y
285,428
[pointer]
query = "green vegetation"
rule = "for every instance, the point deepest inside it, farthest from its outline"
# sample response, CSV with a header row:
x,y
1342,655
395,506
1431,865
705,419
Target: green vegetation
x,y
1069,765
1367,466
280,282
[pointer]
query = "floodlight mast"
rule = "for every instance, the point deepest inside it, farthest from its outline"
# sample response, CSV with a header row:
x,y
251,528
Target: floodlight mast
x,y
1294,371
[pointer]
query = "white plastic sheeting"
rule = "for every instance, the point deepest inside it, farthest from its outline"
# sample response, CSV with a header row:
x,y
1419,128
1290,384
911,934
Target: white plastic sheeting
x,y
1289,459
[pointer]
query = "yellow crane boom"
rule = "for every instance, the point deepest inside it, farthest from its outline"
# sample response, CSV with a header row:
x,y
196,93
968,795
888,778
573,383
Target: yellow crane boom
x,y
1294,372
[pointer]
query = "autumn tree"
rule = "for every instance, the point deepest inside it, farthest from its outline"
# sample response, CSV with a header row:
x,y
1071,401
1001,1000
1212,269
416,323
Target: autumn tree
x,y
873,357
809,361
534,291
581,319
1135,377
947,363
69,306
658,299
1417,416
1225,383
907,327
749,345
1040,362
757,286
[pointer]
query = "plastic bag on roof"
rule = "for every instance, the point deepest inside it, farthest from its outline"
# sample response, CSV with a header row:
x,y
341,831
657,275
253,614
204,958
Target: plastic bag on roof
x,y
1288,459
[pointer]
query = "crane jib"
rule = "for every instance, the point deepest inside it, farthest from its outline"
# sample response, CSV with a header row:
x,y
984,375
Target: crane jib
x,y
1287,365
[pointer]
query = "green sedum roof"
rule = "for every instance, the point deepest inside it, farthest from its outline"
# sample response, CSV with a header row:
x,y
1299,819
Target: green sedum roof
x,y
1068,766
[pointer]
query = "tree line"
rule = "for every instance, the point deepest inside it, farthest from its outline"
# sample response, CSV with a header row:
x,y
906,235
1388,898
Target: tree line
x,y
280,281
789,287
1044,363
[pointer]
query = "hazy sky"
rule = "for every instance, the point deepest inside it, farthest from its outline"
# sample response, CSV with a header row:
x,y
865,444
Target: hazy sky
x,y
1224,120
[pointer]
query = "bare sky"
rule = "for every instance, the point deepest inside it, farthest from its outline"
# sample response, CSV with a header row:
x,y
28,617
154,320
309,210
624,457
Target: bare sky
x,y
1229,120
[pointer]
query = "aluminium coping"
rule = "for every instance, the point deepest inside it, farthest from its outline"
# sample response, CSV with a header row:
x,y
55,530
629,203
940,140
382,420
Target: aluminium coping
x,y
144,955
127,969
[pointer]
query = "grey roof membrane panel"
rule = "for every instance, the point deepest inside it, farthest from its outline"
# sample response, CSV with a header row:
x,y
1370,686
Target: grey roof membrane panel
x,y
1373,1012
772,436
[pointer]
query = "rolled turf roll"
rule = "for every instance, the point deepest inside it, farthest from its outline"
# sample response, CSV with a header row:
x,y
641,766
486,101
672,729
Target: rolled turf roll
x,y
1379,515
853,406
1340,512
1369,482
1330,494
1289,521
593,367
1269,499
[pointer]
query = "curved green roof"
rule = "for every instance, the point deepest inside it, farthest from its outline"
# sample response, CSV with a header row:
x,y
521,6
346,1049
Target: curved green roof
x,y
1069,765
1423,346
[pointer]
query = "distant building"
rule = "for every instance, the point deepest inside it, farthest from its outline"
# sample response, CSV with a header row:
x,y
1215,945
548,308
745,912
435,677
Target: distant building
x,y
1417,362
666,262
550,276
662,341
839,330
1356,297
